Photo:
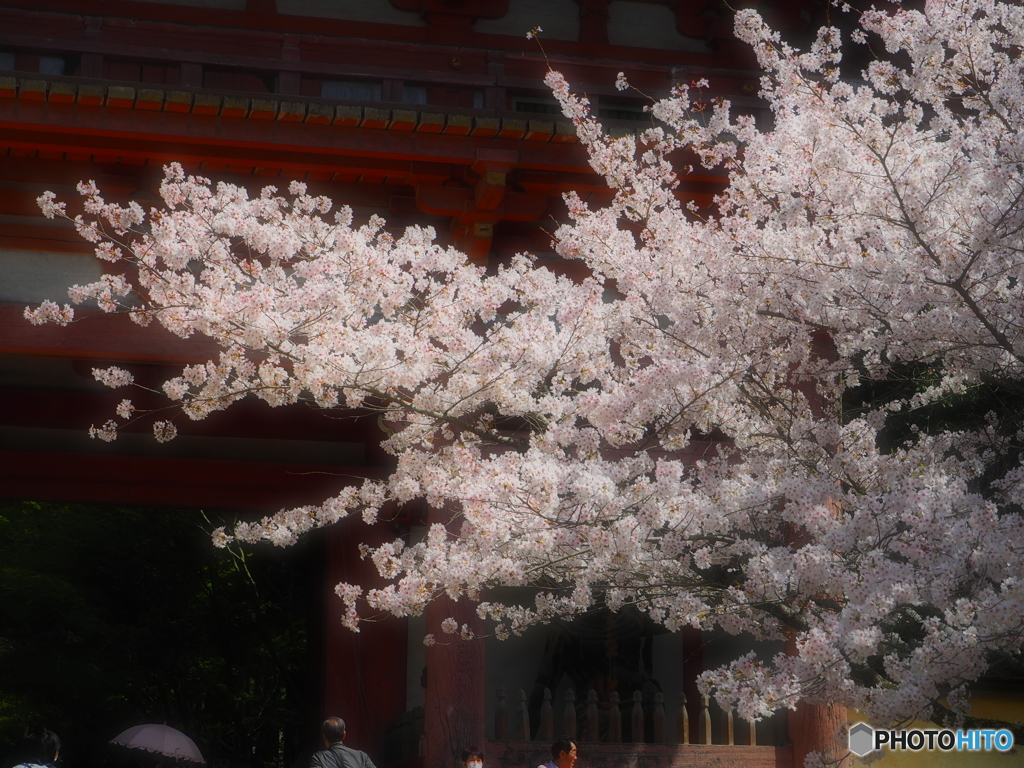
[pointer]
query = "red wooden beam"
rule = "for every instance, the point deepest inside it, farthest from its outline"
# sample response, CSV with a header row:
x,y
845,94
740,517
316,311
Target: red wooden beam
x,y
164,137
98,337
178,482
65,409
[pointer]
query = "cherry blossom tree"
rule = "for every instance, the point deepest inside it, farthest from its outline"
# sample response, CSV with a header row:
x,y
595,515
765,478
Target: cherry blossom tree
x,y
686,430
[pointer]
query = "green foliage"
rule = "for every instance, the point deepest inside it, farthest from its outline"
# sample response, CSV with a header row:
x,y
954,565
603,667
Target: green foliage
x,y
113,617
995,405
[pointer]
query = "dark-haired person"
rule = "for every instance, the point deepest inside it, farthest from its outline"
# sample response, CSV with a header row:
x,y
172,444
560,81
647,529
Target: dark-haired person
x,y
336,754
563,754
472,757
41,749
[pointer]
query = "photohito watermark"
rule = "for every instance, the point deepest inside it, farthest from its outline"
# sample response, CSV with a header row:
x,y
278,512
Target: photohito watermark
x,y
864,739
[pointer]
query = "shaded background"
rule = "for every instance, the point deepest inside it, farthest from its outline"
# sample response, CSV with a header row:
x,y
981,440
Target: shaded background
x,y
111,617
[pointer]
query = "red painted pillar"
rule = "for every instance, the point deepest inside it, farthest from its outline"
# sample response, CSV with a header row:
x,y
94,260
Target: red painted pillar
x,y
693,665
456,679
364,672
455,695
813,728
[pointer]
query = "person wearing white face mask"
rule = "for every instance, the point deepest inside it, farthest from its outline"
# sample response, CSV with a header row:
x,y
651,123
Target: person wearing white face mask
x,y
472,758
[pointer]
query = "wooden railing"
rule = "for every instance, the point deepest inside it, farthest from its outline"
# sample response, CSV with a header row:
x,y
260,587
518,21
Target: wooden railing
x,y
633,721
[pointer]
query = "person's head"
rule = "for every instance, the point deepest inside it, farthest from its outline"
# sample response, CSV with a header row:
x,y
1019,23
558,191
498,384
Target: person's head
x,y
333,730
472,758
44,746
563,752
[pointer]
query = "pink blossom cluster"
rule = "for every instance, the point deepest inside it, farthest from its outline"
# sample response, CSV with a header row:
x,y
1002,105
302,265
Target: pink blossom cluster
x,y
669,432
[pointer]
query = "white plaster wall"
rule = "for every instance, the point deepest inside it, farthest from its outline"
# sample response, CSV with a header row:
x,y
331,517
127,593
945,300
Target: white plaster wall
x,y
642,25
345,90
226,5
560,19
380,11
32,276
22,372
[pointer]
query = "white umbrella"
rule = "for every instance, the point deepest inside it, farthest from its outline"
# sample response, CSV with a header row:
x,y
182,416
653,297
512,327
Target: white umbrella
x,y
162,739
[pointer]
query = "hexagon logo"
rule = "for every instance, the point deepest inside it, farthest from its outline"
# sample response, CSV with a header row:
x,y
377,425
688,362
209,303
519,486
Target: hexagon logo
x,y
862,739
